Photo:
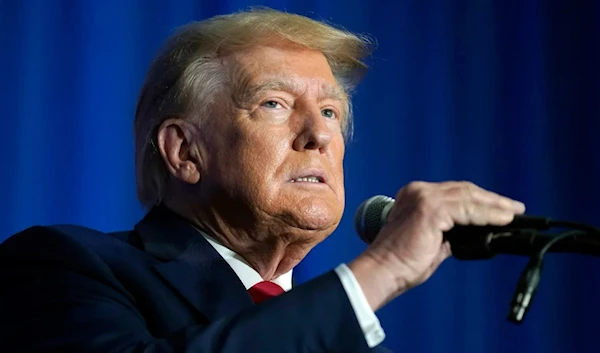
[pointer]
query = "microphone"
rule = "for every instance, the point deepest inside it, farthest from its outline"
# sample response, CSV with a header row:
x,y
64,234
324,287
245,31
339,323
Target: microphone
x,y
520,237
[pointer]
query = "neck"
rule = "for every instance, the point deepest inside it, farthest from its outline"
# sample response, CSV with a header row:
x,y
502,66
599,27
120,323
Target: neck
x,y
271,249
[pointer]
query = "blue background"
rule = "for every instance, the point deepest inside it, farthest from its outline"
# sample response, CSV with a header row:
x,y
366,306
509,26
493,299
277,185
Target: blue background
x,y
503,93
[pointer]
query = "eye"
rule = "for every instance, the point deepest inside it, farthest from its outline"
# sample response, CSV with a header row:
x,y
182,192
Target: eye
x,y
328,113
271,104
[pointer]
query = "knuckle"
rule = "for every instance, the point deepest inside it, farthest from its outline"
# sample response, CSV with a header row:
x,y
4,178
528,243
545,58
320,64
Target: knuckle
x,y
428,203
413,192
415,187
427,206
468,190
467,183
469,211
470,186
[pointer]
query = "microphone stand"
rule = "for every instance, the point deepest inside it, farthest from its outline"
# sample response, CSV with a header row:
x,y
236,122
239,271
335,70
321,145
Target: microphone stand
x,y
530,278
523,238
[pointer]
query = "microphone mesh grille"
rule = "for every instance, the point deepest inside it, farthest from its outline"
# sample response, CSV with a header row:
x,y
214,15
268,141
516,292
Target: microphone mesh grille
x,y
369,217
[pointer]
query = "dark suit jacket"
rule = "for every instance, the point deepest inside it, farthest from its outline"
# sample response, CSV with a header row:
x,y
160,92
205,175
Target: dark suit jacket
x,y
158,288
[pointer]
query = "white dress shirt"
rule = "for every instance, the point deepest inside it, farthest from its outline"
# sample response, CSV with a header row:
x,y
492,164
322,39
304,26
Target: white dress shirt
x,y
368,321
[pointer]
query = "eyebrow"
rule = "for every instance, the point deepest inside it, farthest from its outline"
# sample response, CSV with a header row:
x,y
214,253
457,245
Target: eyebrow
x,y
326,90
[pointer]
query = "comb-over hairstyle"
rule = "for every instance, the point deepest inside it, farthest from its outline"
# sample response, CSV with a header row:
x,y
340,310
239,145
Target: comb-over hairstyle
x,y
187,75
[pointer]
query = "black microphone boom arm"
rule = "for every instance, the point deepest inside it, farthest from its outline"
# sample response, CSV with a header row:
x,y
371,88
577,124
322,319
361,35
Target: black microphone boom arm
x,y
478,243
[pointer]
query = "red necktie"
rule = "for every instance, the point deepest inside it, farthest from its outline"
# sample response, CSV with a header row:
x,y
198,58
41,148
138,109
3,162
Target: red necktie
x,y
264,290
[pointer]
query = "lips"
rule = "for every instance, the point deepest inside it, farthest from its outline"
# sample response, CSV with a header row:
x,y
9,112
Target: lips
x,y
316,176
308,179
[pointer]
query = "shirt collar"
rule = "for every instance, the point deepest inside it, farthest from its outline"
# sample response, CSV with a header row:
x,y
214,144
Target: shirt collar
x,y
248,275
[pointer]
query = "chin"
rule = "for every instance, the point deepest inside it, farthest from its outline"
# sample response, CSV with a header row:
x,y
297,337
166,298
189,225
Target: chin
x,y
317,215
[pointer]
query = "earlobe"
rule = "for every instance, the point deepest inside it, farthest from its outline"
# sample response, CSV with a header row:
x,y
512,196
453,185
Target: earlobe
x,y
189,173
174,146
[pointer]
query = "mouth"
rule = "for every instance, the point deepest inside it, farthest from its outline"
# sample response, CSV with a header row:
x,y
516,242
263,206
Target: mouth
x,y
309,179
312,175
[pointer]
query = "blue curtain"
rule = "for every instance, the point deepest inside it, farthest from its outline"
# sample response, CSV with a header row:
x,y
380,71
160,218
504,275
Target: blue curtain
x,y
503,93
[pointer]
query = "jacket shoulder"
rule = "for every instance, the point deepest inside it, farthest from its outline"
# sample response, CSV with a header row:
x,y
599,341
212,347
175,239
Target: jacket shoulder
x,y
71,248
60,244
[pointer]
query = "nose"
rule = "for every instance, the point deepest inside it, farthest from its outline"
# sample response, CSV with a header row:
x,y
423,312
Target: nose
x,y
314,133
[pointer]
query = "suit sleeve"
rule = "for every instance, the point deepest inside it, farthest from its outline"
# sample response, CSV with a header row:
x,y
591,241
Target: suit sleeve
x,y
58,296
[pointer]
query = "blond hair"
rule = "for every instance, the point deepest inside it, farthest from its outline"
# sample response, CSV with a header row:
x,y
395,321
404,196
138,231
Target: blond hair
x,y
187,74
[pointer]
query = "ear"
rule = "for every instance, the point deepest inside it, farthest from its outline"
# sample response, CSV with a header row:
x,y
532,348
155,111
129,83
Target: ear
x,y
175,143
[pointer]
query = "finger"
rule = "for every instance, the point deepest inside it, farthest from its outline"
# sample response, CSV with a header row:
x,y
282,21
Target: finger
x,y
443,221
494,216
466,213
444,253
470,191
496,200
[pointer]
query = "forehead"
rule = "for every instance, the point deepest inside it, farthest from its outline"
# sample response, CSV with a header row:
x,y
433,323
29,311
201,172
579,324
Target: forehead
x,y
287,66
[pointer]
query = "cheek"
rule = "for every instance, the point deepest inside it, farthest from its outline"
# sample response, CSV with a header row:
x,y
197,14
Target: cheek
x,y
261,157
337,161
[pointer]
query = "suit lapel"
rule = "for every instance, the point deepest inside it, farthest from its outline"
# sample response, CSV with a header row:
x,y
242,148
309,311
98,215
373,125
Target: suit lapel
x,y
191,266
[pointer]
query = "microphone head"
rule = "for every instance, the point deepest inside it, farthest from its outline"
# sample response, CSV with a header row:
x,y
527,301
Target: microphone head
x,y
371,215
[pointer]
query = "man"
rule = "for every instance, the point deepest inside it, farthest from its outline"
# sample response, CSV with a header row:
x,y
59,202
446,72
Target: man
x,y
240,134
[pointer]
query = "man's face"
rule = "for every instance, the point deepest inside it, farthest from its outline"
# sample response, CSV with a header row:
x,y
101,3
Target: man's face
x,y
278,147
